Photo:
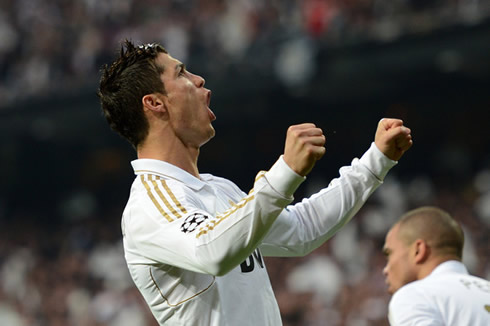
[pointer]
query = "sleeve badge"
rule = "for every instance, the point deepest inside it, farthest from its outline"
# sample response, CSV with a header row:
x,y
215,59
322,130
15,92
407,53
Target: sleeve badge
x,y
192,222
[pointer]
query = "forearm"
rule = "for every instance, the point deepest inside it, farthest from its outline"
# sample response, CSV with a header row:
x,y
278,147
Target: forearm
x,y
307,225
233,235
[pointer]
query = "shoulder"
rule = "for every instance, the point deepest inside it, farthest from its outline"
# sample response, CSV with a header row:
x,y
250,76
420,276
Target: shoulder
x,y
160,198
150,186
218,180
409,306
408,293
420,290
426,300
223,184
412,302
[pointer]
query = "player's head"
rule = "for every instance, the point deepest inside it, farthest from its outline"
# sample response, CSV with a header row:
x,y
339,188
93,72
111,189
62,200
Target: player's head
x,y
134,74
419,241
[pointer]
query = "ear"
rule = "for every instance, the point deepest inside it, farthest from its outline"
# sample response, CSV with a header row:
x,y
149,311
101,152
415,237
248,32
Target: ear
x,y
421,251
153,103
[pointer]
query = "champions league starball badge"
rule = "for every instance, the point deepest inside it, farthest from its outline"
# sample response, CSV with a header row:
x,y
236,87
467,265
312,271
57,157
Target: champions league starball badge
x,y
192,222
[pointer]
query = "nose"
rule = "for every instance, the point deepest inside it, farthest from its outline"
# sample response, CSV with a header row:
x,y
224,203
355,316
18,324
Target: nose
x,y
199,81
385,270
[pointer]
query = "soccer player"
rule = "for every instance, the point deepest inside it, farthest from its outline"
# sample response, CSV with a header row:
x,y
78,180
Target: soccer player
x,y
431,285
194,243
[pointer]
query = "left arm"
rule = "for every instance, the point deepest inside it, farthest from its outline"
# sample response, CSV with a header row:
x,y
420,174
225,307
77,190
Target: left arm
x,y
303,227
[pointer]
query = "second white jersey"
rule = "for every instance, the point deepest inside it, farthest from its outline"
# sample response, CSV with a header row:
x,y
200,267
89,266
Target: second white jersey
x,y
449,296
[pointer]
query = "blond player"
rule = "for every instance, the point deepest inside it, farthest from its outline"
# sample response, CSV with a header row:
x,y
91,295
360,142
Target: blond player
x,y
431,285
194,243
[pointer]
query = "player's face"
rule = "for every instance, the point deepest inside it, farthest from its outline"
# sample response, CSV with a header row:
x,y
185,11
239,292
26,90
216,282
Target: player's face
x,y
399,269
187,103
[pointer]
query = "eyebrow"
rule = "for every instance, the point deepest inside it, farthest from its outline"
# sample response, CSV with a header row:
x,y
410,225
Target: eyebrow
x,y
179,67
386,251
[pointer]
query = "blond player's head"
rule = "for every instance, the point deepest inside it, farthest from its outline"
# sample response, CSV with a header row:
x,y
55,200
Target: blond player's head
x,y
422,239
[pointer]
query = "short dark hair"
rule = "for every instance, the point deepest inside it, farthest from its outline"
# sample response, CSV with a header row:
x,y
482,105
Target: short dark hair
x,y
134,74
435,226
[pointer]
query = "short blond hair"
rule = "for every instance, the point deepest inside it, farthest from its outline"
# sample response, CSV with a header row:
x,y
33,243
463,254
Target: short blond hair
x,y
436,227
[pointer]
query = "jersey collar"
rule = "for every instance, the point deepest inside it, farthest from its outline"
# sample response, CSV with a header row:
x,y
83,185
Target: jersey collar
x,y
450,266
164,169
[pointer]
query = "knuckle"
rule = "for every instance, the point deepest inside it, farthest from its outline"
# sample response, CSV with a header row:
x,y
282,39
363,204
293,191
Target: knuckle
x,y
293,129
311,150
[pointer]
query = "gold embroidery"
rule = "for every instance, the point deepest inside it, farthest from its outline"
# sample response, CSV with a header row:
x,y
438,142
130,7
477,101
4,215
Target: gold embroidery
x,y
220,218
260,175
178,303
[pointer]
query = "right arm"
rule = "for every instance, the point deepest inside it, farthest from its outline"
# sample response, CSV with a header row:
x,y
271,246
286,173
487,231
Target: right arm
x,y
217,241
222,240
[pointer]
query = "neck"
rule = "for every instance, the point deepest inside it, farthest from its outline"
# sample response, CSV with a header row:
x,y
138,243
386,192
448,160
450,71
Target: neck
x,y
173,152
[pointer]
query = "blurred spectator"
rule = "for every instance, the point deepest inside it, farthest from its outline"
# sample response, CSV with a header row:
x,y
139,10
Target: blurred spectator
x,y
52,46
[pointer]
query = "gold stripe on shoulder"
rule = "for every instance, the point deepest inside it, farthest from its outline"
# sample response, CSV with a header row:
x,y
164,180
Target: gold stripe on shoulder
x,y
212,224
172,196
162,197
260,175
154,200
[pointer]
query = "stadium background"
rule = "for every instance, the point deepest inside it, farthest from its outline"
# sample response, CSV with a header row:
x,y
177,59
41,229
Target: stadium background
x,y
340,64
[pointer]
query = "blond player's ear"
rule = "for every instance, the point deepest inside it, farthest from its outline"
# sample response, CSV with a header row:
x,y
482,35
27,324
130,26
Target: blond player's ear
x,y
421,251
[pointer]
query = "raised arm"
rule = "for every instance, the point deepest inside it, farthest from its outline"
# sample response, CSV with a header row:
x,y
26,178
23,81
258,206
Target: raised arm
x,y
305,226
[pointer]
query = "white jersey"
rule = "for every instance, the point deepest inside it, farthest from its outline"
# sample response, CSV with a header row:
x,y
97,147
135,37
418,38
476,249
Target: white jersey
x,y
194,247
449,296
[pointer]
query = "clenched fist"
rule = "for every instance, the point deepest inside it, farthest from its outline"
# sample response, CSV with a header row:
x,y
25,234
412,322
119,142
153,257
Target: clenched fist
x,y
304,146
393,138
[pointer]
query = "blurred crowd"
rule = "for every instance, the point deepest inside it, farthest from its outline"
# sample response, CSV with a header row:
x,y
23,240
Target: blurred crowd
x,y
74,273
50,47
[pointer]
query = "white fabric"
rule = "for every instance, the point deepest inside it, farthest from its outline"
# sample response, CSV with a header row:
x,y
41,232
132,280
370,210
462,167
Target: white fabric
x,y
449,296
193,246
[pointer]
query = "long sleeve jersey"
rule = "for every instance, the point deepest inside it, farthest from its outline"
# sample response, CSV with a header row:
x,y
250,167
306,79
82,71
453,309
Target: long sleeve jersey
x,y
194,246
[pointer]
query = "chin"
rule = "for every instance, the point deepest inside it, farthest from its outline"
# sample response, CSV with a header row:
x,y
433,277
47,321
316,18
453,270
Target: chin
x,y
392,289
211,132
210,136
